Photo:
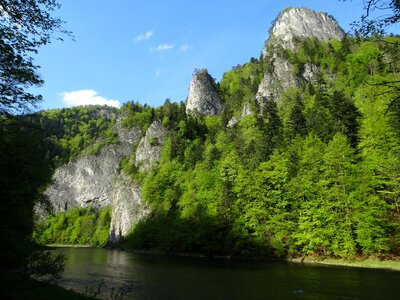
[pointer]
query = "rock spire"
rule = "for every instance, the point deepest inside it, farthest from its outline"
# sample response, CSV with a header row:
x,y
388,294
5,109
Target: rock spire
x,y
204,98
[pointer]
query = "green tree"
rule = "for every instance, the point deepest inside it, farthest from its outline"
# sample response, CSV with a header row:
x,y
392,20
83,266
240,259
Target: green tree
x,y
337,183
372,223
323,185
77,226
263,210
24,27
294,122
271,126
377,17
24,170
380,151
24,173
305,190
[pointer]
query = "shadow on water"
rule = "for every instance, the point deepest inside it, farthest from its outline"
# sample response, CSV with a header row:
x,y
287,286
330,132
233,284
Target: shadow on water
x,y
163,277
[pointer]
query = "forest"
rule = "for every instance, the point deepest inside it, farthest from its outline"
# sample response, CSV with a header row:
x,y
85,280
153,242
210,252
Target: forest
x,y
315,173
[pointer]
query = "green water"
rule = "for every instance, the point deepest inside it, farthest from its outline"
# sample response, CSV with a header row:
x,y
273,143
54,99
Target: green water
x,y
160,277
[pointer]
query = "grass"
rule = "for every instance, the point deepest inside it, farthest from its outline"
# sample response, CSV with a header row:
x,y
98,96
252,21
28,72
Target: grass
x,y
365,262
15,286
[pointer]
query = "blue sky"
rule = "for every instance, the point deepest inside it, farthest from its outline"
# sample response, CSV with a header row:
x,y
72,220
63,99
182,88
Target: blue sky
x,y
147,51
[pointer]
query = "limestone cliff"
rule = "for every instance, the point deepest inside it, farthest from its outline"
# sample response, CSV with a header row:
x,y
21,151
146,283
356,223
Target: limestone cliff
x,y
203,97
127,204
97,181
127,207
292,25
87,181
149,149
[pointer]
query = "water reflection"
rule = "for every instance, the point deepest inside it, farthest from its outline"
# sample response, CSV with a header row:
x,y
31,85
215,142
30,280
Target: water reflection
x,y
157,277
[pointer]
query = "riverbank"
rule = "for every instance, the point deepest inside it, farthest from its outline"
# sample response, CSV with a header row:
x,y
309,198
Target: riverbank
x,y
14,285
392,263
367,262
71,246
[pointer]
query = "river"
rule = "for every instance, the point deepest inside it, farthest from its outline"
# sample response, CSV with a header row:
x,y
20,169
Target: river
x,y
125,275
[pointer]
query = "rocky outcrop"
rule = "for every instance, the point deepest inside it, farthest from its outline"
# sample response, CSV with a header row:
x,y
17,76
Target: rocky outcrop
x,y
299,23
86,181
127,137
292,25
203,97
309,72
89,180
97,181
246,111
127,207
280,79
149,149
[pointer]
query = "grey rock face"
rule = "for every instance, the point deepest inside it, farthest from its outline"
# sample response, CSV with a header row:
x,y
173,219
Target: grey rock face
x,y
274,84
149,149
246,111
310,70
233,121
203,95
127,207
293,24
299,23
95,180
86,181
126,136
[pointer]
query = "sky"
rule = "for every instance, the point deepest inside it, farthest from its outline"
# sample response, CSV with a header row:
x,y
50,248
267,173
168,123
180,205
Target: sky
x,y
147,51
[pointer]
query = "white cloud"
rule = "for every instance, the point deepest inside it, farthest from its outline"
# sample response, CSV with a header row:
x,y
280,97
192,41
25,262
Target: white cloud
x,y
144,36
185,48
87,97
162,47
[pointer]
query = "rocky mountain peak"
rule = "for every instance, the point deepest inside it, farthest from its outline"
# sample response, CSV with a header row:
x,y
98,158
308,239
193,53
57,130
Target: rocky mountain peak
x,y
203,97
299,23
293,24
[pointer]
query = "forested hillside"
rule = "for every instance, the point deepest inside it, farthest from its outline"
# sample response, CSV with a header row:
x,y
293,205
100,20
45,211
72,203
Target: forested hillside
x,y
69,131
316,171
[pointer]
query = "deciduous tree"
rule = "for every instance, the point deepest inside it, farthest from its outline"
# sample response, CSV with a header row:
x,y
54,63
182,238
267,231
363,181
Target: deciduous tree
x,y
24,26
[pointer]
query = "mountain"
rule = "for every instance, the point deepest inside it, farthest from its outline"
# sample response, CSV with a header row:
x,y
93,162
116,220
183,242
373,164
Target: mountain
x,y
292,153
295,24
203,95
291,27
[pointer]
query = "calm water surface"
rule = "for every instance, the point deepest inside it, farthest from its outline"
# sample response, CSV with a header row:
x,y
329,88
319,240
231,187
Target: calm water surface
x,y
161,277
